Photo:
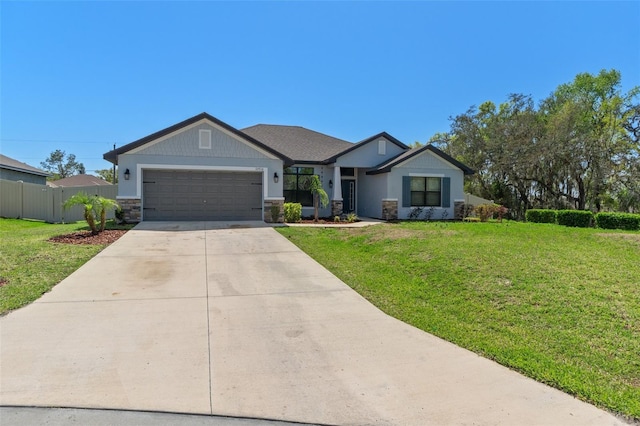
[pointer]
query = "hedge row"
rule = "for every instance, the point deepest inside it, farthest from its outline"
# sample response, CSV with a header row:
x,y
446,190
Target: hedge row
x,y
626,221
541,216
585,219
575,218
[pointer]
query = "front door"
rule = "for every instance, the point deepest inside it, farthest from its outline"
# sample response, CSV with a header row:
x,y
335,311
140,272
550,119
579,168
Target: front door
x,y
348,195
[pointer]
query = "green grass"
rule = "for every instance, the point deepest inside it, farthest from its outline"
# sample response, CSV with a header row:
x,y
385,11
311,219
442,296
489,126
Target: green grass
x,y
30,265
561,305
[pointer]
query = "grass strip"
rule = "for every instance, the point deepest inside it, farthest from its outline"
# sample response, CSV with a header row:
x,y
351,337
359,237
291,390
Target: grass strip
x,y
561,305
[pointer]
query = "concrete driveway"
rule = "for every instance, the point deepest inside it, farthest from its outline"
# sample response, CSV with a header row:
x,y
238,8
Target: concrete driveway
x,y
234,320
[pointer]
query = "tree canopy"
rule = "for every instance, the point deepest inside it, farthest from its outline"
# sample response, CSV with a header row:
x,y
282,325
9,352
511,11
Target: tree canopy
x,y
61,165
579,148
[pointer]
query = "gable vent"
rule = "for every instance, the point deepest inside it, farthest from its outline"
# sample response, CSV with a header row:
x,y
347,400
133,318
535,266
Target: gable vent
x,y
382,147
205,139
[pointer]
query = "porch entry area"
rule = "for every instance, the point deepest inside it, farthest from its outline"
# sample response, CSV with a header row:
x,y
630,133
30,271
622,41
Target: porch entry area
x,y
348,195
348,187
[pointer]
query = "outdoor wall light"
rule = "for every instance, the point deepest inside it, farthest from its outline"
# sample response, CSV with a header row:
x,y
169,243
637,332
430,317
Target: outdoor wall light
x,y
330,183
127,174
275,177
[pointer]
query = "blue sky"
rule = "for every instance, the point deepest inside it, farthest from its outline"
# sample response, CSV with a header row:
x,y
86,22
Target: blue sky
x,y
81,76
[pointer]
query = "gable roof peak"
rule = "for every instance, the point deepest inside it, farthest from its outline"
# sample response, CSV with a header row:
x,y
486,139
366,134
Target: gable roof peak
x,y
112,155
388,165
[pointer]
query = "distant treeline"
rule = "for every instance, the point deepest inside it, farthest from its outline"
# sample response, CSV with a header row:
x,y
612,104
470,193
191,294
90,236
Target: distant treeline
x,y
578,148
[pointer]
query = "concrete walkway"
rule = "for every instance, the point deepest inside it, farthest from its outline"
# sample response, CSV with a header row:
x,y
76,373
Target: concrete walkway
x,y
236,321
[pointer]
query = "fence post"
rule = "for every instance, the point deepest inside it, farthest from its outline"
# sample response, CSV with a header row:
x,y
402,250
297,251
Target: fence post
x,y
21,199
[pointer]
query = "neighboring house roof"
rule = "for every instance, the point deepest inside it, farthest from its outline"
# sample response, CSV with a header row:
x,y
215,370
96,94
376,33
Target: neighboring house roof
x,y
112,155
11,164
302,145
78,180
388,165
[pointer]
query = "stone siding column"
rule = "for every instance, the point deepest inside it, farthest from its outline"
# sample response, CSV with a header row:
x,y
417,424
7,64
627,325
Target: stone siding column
x,y
268,215
336,207
390,209
131,209
459,210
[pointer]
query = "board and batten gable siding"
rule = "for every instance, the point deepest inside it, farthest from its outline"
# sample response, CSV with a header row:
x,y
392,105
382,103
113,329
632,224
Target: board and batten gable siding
x,y
428,164
182,151
187,144
367,155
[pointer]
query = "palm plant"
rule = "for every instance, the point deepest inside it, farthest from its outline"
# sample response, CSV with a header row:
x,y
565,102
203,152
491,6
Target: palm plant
x,y
319,195
95,208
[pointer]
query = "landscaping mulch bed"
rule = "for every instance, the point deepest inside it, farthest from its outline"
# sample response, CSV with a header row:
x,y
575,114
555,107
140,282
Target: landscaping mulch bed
x,y
105,237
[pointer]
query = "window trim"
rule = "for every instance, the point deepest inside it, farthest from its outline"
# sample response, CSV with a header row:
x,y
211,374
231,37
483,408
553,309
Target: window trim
x,y
426,192
297,190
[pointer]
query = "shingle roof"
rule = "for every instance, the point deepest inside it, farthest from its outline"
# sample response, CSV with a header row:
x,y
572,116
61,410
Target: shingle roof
x,y
11,164
79,180
388,165
302,145
112,155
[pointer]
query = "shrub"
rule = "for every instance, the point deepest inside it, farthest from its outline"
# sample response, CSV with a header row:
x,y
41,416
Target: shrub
x,y
429,213
541,216
486,211
292,212
626,221
275,213
576,218
415,213
352,217
119,213
336,219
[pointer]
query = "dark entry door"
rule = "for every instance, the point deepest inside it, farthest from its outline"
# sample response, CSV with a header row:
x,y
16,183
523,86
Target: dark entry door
x,y
348,195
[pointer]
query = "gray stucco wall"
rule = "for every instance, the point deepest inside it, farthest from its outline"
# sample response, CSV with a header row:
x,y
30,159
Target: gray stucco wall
x,y
367,155
14,175
371,190
427,163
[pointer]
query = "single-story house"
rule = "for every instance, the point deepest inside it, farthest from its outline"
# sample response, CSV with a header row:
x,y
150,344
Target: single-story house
x,y
78,180
15,170
205,169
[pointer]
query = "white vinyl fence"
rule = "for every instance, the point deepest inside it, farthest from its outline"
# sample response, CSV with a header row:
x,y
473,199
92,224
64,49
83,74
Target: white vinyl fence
x,y
31,201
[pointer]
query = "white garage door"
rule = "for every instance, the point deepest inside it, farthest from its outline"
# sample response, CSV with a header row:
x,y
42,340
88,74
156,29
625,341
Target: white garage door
x,y
201,195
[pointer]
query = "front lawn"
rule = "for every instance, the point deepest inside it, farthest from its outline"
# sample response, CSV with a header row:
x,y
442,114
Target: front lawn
x,y
30,265
560,305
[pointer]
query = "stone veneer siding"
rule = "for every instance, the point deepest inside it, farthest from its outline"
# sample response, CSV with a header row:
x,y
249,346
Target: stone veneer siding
x,y
131,208
459,210
336,207
390,209
267,211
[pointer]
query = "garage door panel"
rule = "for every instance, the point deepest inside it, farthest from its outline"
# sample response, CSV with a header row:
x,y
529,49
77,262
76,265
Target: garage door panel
x,y
202,195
